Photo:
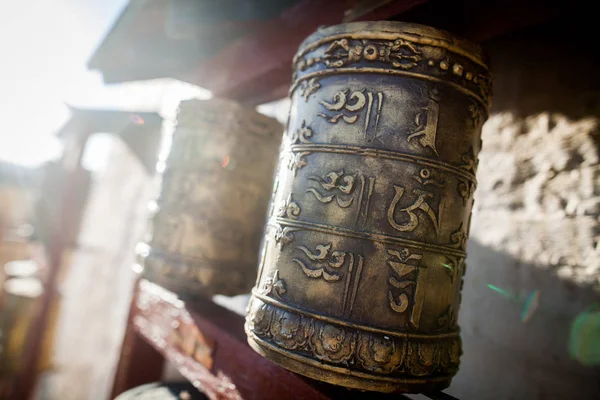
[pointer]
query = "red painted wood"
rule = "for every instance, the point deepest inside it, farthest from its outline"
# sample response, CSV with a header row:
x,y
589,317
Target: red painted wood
x,y
227,368
139,362
257,67
251,67
236,370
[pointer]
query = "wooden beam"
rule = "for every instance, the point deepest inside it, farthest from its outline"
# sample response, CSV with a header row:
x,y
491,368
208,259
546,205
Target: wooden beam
x,y
139,362
252,66
207,345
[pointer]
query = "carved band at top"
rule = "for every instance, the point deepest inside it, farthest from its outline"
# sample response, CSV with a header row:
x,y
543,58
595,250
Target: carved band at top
x,y
397,54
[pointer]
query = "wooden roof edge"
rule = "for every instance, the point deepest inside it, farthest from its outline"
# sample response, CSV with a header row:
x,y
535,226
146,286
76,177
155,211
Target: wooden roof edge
x,y
95,61
97,120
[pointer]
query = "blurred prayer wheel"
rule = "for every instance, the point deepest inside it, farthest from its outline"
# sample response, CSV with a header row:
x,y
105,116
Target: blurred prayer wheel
x,y
209,219
362,264
163,391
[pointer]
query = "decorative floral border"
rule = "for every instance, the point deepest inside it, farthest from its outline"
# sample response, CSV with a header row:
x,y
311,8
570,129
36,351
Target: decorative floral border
x,y
351,348
355,54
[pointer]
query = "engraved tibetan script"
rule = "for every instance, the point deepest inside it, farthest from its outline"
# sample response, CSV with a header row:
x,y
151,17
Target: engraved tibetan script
x,y
399,53
339,183
343,188
346,105
420,204
405,283
427,123
323,263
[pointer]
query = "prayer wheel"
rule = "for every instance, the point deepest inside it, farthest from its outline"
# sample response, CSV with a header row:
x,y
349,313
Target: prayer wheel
x,y
163,391
208,221
361,269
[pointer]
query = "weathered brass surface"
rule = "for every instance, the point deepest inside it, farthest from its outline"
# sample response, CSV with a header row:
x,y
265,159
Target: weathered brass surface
x,y
209,218
362,264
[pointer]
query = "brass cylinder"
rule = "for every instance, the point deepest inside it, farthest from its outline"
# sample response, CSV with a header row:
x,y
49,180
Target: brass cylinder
x,y
208,221
362,264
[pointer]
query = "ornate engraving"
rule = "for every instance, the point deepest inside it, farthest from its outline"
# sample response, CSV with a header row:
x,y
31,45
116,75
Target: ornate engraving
x,y
348,107
419,204
399,53
484,84
283,235
465,189
475,114
366,191
274,286
454,266
427,129
322,257
301,135
336,182
383,154
470,161
309,87
422,358
427,177
355,103
297,161
259,317
288,331
347,347
459,238
404,280
330,266
380,354
332,344
289,209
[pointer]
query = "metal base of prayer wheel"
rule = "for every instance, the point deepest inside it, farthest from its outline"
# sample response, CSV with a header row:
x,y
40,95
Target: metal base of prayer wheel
x,y
163,391
362,264
209,219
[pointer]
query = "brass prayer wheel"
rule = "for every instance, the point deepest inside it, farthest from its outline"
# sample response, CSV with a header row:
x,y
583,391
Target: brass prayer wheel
x,y
209,219
362,263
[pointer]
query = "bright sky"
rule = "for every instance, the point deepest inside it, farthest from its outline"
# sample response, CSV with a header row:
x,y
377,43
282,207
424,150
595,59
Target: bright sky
x,y
44,46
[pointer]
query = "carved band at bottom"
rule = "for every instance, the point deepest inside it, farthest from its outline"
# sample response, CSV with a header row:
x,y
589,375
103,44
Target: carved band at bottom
x,y
194,280
351,357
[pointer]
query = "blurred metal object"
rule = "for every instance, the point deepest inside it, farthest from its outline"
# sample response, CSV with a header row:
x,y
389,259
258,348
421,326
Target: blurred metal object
x,y
363,7
163,391
362,264
209,219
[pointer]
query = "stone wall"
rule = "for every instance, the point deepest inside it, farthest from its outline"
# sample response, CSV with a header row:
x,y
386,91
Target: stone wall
x,y
534,233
